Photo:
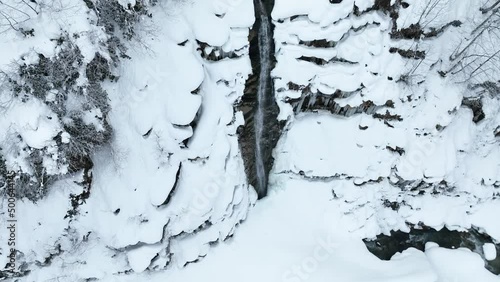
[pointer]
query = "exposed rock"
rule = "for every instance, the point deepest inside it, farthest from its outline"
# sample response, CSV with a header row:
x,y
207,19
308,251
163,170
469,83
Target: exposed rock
x,y
322,62
318,43
388,116
476,105
409,54
77,200
398,150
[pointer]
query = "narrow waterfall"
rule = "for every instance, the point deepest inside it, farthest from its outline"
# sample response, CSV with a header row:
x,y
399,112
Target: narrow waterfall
x,y
265,47
261,131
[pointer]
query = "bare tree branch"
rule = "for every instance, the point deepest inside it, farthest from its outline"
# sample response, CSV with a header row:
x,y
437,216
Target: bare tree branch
x,y
486,10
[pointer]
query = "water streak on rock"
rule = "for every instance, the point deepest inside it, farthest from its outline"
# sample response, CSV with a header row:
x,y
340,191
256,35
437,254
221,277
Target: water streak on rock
x,y
265,47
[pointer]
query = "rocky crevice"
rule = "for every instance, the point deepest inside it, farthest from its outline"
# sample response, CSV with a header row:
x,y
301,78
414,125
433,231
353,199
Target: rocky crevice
x,y
310,101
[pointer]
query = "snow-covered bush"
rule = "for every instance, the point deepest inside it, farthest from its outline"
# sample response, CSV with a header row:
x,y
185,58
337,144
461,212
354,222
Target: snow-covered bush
x,y
85,139
51,78
119,22
98,69
115,17
79,105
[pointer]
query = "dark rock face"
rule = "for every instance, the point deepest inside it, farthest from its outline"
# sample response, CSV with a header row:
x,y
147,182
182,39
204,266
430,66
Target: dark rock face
x,y
476,105
271,127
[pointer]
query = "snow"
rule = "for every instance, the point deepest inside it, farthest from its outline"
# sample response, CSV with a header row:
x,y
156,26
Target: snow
x,y
484,217
93,117
28,118
321,248
329,145
321,12
140,258
436,13
40,225
33,120
490,251
71,15
439,140
154,95
323,245
459,265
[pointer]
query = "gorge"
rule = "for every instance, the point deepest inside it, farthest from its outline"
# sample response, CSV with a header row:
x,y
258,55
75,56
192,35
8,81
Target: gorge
x,y
251,140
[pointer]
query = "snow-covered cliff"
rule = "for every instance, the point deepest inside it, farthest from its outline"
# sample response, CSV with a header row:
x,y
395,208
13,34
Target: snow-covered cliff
x,y
171,181
375,109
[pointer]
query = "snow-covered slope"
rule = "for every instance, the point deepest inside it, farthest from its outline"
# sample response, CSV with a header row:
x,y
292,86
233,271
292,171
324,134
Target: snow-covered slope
x,y
177,182
297,234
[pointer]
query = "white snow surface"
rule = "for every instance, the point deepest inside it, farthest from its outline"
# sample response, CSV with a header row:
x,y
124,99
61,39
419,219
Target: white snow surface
x,y
281,242
152,108
490,251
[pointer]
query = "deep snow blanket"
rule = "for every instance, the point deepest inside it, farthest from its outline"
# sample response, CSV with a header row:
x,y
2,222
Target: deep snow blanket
x,y
379,135
171,182
374,110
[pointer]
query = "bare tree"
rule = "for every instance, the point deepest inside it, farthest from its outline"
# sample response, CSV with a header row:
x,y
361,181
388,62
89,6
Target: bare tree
x,y
478,59
15,12
487,9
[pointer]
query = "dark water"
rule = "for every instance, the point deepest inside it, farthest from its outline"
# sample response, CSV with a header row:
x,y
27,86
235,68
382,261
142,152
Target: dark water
x,y
384,247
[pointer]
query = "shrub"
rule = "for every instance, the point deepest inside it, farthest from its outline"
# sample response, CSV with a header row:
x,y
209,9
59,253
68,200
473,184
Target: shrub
x,y
85,139
114,17
54,81
98,69
59,73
